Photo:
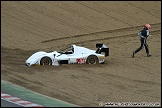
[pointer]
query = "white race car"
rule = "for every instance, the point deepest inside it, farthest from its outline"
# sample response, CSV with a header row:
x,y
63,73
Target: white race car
x,y
71,55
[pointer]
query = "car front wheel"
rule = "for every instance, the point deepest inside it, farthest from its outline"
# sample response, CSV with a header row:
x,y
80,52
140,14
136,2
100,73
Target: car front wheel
x,y
46,61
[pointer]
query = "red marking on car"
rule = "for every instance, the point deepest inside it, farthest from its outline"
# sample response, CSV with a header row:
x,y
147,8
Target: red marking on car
x,y
80,60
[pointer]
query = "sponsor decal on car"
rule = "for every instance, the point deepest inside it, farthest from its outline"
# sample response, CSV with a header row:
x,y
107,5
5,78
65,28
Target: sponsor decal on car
x,y
80,60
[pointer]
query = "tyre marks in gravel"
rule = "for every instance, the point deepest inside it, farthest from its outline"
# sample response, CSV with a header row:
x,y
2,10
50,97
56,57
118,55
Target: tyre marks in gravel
x,y
102,35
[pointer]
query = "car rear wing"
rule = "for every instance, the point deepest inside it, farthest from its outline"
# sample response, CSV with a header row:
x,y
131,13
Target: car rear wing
x,y
102,48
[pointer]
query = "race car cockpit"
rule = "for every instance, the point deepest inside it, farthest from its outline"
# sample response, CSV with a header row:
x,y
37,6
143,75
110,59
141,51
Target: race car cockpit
x,y
68,50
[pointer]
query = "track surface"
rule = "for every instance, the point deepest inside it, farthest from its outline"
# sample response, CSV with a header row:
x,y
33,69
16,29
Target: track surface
x,y
28,27
5,103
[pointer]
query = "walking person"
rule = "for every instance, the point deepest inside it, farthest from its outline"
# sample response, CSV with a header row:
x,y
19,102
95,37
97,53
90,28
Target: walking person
x,y
143,36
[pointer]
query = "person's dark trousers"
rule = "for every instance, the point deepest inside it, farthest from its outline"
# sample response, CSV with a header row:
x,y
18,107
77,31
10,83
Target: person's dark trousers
x,y
143,43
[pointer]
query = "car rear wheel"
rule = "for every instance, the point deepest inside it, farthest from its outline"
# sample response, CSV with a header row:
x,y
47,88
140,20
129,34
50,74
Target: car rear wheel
x,y
92,59
46,61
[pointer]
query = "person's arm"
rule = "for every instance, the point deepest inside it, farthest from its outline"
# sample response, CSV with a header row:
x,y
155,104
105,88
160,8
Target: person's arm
x,y
148,33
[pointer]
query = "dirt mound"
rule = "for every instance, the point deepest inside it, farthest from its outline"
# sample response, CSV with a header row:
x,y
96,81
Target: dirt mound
x,y
28,27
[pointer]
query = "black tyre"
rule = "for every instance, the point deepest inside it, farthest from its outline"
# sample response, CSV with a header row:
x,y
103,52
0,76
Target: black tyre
x,y
92,59
46,61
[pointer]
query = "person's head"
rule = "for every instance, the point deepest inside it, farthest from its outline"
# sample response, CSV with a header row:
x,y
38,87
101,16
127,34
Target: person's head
x,y
147,26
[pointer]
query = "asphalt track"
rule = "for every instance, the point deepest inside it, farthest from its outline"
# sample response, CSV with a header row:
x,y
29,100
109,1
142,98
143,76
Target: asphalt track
x,y
25,94
5,103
